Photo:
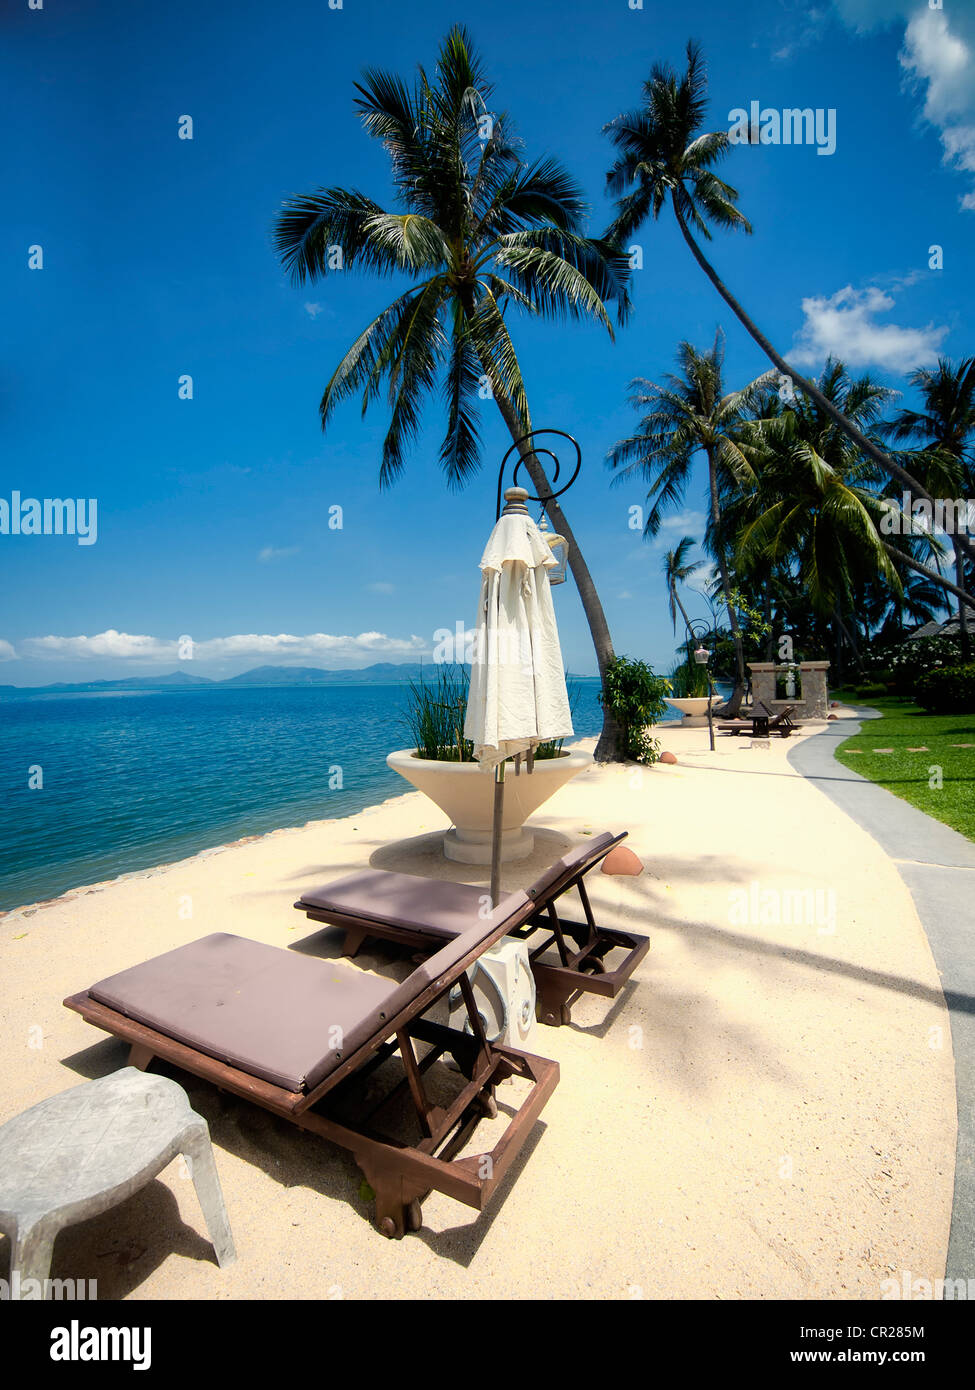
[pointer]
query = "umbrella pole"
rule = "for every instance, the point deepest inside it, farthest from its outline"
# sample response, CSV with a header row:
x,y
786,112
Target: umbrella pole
x,y
496,833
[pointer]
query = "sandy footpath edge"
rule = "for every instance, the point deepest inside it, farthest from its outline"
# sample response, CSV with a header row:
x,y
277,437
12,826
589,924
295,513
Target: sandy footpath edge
x,y
768,1112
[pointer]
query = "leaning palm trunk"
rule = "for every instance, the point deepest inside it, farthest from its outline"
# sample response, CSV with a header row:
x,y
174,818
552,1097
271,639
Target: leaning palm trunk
x,y
608,746
808,387
961,594
722,559
963,608
683,611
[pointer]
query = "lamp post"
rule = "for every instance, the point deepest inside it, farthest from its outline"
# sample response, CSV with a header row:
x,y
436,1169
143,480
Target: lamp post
x,y
698,629
515,499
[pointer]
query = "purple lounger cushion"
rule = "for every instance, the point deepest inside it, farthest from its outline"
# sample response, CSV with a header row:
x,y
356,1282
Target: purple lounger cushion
x,y
289,1019
435,906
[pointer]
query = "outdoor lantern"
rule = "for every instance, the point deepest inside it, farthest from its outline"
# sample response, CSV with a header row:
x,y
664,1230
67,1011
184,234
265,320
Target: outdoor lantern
x,y
701,655
559,547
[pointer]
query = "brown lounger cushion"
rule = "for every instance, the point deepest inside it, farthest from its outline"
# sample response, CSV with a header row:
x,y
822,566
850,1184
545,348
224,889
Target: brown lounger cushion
x,y
264,1010
289,1019
435,906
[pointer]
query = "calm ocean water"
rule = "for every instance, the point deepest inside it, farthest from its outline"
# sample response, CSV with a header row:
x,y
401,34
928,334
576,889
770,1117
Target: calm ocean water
x,y
137,779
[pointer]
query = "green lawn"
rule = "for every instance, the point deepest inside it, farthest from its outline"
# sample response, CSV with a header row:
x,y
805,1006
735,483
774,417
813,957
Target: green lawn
x,y
914,775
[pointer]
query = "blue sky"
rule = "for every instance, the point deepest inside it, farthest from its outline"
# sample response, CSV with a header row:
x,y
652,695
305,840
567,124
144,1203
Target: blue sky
x,y
157,262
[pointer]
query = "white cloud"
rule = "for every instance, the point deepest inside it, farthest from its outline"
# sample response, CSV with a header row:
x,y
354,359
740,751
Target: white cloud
x,y
270,552
7,652
938,57
108,644
688,523
313,310
159,651
845,325
934,54
672,528
867,14
315,644
381,587
802,24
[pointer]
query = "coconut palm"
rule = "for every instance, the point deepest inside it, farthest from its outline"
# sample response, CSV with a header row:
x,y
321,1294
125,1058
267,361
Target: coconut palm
x,y
677,570
817,504
775,578
476,231
946,425
688,415
890,615
664,158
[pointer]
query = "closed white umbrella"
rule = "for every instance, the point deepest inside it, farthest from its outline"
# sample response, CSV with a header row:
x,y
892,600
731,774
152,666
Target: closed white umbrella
x,y
517,696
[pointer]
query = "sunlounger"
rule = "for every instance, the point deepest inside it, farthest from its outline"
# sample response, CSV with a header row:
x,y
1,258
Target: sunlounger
x,y
423,912
296,1034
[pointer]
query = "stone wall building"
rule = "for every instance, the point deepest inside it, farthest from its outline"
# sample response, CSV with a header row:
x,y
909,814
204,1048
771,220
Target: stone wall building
x,y
811,703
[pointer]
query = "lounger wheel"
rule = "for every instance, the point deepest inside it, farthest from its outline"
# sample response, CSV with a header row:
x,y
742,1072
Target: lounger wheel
x,y
413,1215
594,965
553,1017
488,1105
387,1227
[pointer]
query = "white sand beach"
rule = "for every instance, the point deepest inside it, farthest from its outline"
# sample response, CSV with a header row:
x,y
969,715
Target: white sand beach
x,y
768,1111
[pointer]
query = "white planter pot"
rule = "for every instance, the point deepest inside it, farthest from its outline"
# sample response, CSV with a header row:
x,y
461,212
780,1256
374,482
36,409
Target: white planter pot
x,y
693,708
465,793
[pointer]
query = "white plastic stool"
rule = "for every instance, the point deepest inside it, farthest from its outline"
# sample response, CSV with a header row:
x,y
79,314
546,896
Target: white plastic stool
x,y
85,1150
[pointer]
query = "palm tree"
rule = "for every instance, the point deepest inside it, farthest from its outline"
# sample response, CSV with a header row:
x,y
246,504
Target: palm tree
x,y
677,570
477,231
947,426
665,157
816,506
886,613
689,415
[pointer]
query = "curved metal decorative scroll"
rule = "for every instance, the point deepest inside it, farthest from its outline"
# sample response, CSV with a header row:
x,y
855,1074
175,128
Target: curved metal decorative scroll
x,y
532,434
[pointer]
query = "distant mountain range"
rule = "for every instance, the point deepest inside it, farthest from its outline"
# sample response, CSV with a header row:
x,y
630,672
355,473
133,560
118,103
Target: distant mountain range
x,y
381,673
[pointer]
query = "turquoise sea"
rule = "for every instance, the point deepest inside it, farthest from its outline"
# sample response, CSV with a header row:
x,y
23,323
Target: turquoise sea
x,y
134,779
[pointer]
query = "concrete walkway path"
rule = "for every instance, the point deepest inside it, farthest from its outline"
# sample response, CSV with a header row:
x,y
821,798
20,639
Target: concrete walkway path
x,y
938,867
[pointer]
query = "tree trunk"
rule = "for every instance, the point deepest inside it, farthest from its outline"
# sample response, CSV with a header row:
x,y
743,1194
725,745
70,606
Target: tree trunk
x,y
838,652
683,611
723,570
963,610
933,575
767,615
811,390
610,739
844,631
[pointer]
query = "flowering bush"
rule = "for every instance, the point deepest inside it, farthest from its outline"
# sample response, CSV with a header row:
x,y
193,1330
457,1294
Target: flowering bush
x,y
900,667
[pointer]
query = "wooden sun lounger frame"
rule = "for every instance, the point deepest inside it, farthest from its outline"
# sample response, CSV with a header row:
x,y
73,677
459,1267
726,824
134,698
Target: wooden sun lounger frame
x,y
399,1174
781,723
580,970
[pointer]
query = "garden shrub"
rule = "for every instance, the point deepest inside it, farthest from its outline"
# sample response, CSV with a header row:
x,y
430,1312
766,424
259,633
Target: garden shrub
x,y
948,690
635,696
903,665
